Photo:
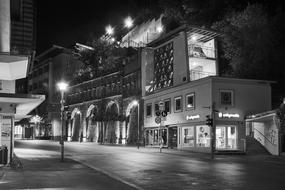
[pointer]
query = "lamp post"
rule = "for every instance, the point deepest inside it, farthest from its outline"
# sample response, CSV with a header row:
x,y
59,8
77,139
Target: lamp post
x,y
62,86
136,103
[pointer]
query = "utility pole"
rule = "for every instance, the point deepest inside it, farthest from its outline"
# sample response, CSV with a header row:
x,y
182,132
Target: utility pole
x,y
213,132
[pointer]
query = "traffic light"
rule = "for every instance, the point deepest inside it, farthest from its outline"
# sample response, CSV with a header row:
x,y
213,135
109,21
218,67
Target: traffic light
x,y
66,108
68,115
209,121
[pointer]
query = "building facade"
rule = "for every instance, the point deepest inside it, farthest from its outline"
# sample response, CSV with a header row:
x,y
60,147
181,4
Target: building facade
x,y
50,67
188,106
104,107
179,76
13,66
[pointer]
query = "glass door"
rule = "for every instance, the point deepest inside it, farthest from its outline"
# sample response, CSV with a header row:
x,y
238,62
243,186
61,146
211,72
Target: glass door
x,y
220,137
232,137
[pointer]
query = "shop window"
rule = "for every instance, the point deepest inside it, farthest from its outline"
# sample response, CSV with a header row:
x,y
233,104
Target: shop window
x,y
177,104
156,137
190,101
167,106
148,110
203,136
226,97
188,136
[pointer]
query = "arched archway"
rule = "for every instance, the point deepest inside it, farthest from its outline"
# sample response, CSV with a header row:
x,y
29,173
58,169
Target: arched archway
x,y
131,126
76,119
92,125
112,128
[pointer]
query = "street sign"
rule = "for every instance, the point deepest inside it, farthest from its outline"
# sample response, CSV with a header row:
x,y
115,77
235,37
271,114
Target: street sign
x,y
158,120
161,106
157,113
164,114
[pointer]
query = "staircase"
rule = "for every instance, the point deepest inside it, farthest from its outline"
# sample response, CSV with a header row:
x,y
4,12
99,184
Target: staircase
x,y
229,152
253,147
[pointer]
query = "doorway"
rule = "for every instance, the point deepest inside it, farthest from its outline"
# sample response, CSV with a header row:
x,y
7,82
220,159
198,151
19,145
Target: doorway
x,y
172,137
226,137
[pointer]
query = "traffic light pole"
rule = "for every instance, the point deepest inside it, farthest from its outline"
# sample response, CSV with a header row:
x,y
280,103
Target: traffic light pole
x,y
62,126
213,133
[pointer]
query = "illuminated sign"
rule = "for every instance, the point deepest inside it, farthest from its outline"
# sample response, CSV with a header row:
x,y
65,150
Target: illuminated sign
x,y
192,117
228,115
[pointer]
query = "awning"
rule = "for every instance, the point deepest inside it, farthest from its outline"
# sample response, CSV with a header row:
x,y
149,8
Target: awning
x,y
13,67
25,103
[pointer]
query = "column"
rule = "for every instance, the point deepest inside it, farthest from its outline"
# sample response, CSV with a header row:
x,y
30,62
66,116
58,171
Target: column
x,y
124,132
69,130
84,128
117,131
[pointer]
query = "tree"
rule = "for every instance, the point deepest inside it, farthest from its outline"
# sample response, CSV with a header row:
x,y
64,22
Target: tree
x,y
247,42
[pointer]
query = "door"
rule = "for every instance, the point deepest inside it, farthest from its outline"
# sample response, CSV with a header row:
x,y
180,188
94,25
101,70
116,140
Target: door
x,y
226,137
172,137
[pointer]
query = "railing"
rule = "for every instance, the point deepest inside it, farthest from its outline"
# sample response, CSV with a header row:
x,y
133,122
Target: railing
x,y
201,51
195,74
265,138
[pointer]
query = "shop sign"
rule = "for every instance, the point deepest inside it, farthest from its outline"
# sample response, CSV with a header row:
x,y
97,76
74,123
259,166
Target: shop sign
x,y
192,117
228,115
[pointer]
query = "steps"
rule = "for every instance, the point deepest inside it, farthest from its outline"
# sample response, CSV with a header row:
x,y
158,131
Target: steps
x,y
229,152
253,147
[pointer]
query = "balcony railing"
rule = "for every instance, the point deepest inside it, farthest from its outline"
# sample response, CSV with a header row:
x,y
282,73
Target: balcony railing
x,y
195,75
201,51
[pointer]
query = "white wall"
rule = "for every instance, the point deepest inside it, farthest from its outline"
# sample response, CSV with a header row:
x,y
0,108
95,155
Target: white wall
x,y
267,134
7,86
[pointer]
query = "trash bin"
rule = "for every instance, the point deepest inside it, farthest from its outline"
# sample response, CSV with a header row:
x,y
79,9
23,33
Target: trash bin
x,y
3,155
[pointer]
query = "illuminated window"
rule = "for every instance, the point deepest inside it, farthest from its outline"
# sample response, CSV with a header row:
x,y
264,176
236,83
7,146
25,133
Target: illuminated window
x,y
190,101
203,136
188,136
177,104
226,97
148,110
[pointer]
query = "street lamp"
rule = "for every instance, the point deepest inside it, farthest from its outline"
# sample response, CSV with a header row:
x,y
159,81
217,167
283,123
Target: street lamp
x,y
109,30
129,22
62,86
136,103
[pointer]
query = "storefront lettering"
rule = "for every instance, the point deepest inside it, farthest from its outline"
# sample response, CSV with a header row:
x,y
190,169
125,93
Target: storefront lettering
x,y
192,117
228,115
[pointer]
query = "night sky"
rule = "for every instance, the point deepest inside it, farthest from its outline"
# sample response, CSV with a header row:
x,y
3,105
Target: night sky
x,y
64,22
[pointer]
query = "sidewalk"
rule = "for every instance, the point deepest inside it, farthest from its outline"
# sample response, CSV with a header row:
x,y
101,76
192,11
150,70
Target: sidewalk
x,y
48,172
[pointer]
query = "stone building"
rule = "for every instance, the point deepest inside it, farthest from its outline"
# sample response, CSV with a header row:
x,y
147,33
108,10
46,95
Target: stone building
x,y
103,107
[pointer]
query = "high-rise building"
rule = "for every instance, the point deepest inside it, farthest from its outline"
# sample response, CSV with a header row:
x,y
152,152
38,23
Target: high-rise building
x,y
13,66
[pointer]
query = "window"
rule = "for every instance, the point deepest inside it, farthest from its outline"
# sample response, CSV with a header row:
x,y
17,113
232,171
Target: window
x,y
148,110
167,106
188,136
190,101
177,104
156,107
0,84
203,136
226,97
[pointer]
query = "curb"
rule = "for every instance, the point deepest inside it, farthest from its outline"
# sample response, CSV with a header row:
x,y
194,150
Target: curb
x,y
108,174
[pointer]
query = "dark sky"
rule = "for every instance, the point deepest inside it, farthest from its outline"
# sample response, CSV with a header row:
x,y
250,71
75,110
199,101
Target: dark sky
x,y
64,22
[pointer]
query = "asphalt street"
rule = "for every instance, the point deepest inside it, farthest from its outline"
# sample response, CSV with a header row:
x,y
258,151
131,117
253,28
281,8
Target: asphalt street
x,y
147,168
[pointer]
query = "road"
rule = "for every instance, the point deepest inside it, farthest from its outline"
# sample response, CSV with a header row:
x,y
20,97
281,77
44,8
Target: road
x,y
147,168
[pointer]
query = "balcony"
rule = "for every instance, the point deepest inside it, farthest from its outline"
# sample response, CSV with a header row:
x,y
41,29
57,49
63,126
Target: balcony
x,y
199,51
195,74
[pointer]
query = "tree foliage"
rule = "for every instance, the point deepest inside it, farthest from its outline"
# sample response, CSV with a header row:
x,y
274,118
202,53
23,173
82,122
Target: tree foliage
x,y
247,42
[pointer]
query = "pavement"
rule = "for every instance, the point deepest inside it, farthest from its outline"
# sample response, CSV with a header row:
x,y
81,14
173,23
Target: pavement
x,y
46,171
91,166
